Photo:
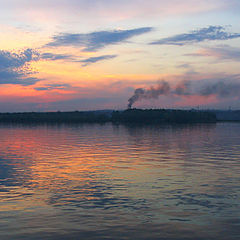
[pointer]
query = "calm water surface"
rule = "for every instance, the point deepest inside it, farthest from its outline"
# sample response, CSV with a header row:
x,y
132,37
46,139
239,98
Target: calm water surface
x,y
118,182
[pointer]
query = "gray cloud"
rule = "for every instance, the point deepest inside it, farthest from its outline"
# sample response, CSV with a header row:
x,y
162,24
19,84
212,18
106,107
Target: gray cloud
x,y
14,67
52,87
72,58
53,56
16,60
184,65
208,33
95,40
96,59
223,88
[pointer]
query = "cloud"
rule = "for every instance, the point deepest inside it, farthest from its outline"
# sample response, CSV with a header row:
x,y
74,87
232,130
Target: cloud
x,y
184,65
209,33
52,87
220,52
72,58
96,59
15,69
53,57
16,60
95,40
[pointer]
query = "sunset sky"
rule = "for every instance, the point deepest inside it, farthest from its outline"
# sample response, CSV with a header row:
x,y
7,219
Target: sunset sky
x,y
93,54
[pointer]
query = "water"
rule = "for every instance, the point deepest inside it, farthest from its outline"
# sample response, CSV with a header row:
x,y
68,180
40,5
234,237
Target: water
x,y
118,182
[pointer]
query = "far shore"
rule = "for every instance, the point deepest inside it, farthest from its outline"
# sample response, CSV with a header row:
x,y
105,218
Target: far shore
x,y
147,116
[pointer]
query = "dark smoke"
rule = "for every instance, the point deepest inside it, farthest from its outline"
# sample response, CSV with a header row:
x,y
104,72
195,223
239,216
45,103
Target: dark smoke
x,y
162,88
183,88
221,89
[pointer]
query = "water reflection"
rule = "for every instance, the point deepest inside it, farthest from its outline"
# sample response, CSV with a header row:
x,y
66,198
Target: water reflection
x,y
120,182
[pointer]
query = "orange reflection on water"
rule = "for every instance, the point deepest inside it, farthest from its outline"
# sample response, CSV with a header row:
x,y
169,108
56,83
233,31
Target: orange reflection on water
x,y
46,161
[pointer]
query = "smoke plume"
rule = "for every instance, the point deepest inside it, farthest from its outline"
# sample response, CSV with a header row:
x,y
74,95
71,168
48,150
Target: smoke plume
x,y
222,89
163,88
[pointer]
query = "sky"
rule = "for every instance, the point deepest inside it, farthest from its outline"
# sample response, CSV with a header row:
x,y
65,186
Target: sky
x,y
67,55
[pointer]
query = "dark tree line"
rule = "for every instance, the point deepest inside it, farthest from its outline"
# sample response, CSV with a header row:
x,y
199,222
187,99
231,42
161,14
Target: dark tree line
x,y
55,117
156,116
163,116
